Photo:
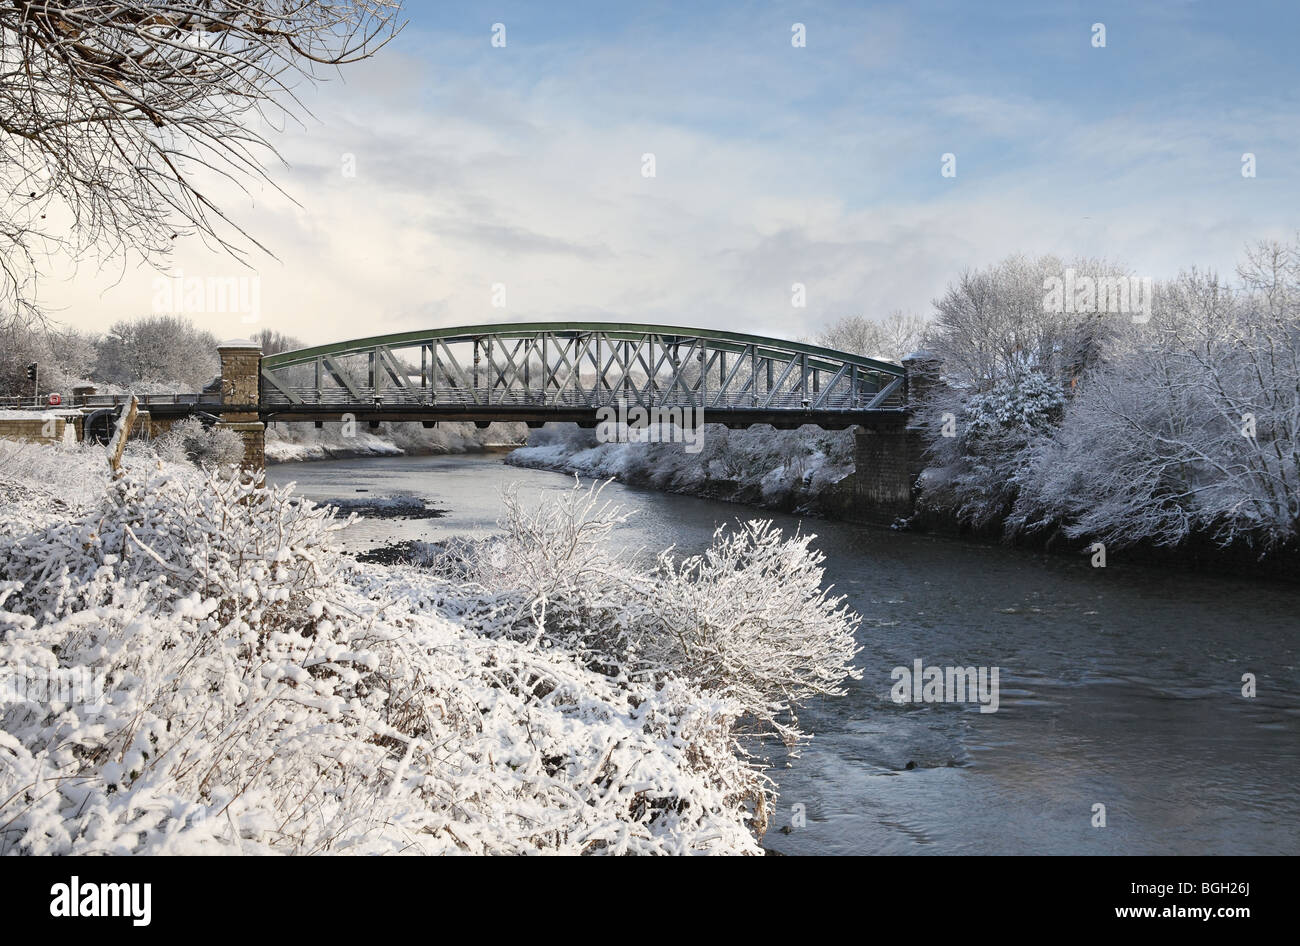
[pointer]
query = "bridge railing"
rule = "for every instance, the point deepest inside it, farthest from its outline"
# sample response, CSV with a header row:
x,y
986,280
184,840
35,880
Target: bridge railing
x,y
207,399
26,403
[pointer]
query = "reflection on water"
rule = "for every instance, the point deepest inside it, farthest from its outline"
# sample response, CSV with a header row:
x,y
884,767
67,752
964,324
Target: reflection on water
x,y
1119,686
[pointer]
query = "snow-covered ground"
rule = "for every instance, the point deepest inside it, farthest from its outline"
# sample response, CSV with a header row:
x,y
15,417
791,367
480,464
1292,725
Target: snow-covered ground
x,y
37,415
786,469
188,665
287,443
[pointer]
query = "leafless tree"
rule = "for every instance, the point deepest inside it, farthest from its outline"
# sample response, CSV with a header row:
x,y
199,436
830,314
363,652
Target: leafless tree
x,y
63,357
164,349
891,338
1190,425
114,117
273,342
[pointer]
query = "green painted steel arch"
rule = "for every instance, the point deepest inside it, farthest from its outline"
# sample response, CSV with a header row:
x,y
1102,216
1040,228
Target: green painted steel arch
x,y
717,339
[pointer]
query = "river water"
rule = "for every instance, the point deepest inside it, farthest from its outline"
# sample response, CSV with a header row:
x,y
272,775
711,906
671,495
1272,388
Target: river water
x,y
1119,686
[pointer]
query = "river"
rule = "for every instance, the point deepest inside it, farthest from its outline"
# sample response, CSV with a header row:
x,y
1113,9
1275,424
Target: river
x,y
1119,686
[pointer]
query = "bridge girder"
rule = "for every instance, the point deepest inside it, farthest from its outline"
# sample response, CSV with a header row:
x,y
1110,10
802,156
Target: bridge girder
x,y
568,370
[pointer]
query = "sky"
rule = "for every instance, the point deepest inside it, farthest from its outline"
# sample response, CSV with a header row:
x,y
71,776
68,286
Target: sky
x,y
449,181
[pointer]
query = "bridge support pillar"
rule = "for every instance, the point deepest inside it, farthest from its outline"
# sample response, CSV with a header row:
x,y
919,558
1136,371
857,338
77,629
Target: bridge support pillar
x,y
241,376
886,461
889,457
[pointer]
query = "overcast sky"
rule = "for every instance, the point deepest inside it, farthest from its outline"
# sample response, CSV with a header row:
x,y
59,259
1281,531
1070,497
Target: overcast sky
x,y
523,166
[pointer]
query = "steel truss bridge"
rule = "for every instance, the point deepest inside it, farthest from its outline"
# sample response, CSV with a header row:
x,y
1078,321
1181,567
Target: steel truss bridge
x,y
566,371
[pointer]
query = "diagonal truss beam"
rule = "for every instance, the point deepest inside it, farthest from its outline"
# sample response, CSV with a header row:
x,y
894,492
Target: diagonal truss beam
x,y
567,366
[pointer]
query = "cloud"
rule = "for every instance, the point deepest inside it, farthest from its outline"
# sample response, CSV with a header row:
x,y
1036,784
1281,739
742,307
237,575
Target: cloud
x,y
477,167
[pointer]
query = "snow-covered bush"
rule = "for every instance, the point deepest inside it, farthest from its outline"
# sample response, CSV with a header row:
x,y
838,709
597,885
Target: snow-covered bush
x,y
1006,360
746,621
1030,404
976,471
54,479
256,691
191,440
776,467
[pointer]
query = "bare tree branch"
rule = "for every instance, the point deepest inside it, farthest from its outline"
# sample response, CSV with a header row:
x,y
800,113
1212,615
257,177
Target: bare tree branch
x,y
111,112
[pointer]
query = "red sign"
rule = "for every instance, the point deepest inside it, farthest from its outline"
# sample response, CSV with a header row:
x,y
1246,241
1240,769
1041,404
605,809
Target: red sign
x,y
56,400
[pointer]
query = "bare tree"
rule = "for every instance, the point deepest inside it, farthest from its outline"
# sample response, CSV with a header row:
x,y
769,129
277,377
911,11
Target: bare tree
x,y
63,358
273,342
164,349
891,338
111,114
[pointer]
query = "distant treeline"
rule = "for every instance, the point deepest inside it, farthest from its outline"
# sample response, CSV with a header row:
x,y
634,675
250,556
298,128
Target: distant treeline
x,y
147,354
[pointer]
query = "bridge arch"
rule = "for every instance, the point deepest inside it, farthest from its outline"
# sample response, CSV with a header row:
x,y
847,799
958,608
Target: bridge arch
x,y
540,371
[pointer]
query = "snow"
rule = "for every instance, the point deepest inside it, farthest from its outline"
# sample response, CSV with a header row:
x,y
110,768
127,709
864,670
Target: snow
x,y
37,415
290,443
777,468
363,444
256,691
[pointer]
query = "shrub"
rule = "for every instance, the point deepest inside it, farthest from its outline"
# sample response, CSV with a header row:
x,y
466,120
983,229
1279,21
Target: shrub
x,y
746,621
257,692
201,445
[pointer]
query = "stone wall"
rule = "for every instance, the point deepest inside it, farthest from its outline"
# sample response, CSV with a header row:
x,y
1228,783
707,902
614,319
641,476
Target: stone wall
x,y
38,429
158,426
241,372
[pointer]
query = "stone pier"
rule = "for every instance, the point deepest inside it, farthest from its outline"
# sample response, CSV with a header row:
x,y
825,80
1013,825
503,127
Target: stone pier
x,y
889,456
241,378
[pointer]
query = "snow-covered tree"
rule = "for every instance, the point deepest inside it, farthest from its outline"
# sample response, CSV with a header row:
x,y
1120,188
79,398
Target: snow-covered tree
x,y
890,338
1007,359
160,348
1191,424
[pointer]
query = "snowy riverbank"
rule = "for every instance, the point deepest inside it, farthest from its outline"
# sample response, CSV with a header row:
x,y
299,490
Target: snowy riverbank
x,y
189,665
291,443
776,469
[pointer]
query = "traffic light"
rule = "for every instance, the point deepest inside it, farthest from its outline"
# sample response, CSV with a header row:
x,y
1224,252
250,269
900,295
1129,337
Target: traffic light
x,y
31,372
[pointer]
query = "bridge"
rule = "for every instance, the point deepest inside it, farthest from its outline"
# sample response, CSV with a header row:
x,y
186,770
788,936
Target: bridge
x,y
567,371
535,372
